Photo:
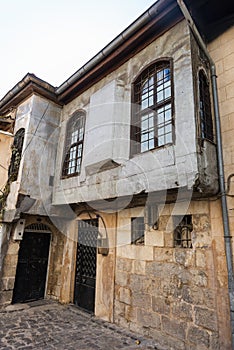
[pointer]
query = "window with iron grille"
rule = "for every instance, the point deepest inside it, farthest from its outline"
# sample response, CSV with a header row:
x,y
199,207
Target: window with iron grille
x,y
152,114
74,145
205,108
137,231
17,148
183,230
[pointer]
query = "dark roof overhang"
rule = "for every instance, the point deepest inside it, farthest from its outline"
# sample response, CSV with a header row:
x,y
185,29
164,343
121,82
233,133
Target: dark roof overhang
x,y
212,18
159,18
28,86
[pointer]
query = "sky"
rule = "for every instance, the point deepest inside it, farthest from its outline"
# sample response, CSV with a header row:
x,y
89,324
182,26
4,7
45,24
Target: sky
x,y
54,38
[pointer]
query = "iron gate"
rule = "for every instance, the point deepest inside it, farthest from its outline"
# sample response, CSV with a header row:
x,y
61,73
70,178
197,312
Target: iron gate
x,y
85,279
32,264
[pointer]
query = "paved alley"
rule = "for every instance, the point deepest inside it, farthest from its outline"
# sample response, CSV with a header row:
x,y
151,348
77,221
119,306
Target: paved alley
x,y
48,325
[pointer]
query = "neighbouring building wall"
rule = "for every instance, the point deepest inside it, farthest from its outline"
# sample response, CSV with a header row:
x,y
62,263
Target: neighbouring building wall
x,y
178,296
222,52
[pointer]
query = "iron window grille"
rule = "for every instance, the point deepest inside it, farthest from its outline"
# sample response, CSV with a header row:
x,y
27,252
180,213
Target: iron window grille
x,y
74,145
182,232
206,122
17,148
137,231
152,114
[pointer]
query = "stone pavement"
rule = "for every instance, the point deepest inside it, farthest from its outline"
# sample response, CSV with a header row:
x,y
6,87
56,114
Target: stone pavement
x,y
47,325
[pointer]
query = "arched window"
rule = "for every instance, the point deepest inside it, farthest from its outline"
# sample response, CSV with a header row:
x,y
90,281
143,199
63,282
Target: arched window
x,y
205,108
17,148
74,145
152,117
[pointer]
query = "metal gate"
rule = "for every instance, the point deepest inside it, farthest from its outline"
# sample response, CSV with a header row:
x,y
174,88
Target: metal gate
x,y
85,279
31,270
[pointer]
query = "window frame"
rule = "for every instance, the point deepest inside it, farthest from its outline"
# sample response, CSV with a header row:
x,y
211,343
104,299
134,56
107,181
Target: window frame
x,y
71,127
182,234
206,123
135,223
136,130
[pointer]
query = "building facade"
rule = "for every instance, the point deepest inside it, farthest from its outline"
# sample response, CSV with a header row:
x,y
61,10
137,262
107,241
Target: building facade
x,y
112,199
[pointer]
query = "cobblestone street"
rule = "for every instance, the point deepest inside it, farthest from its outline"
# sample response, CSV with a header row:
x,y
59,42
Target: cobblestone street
x,y
48,325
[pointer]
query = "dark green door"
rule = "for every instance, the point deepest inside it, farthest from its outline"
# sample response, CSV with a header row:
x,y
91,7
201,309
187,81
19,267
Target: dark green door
x,y
32,267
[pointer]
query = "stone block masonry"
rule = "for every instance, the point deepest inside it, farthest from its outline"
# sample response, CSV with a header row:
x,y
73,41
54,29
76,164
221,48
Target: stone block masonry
x,y
174,294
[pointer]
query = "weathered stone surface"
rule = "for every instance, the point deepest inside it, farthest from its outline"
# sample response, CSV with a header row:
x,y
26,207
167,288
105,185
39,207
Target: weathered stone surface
x,y
5,297
161,305
165,341
198,336
121,278
139,267
140,283
130,313
184,257
182,310
148,319
206,318
163,254
199,278
174,327
141,300
125,295
13,248
124,264
200,258
8,283
154,238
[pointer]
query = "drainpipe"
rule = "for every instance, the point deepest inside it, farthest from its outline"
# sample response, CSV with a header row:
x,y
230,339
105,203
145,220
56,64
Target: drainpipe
x,y
226,228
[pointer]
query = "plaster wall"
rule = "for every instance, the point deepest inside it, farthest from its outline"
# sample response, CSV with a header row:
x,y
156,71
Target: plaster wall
x,y
40,119
159,169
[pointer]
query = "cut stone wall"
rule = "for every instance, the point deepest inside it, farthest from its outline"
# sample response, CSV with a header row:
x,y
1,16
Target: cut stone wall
x,y
174,294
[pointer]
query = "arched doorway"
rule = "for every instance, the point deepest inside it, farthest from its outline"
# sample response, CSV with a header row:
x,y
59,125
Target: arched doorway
x,y
32,264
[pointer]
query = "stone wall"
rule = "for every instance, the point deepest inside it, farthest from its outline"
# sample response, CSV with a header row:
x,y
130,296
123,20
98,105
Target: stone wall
x,y
173,294
222,52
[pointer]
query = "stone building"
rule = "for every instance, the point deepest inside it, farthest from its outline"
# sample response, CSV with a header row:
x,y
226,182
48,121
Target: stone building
x,y
116,196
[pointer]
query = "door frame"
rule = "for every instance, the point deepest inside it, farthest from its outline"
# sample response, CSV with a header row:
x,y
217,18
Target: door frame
x,y
85,218
34,227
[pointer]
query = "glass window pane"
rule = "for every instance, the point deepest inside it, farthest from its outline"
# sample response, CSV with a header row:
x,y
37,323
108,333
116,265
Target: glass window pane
x,y
144,146
144,125
145,104
167,92
168,128
161,141
151,122
144,137
151,144
160,96
151,101
168,138
161,131
167,114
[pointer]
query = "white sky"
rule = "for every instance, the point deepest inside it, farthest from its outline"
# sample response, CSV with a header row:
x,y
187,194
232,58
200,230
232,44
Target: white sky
x,y
54,38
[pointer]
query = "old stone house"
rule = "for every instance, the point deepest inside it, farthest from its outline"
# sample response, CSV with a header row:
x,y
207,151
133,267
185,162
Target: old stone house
x,y
117,194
